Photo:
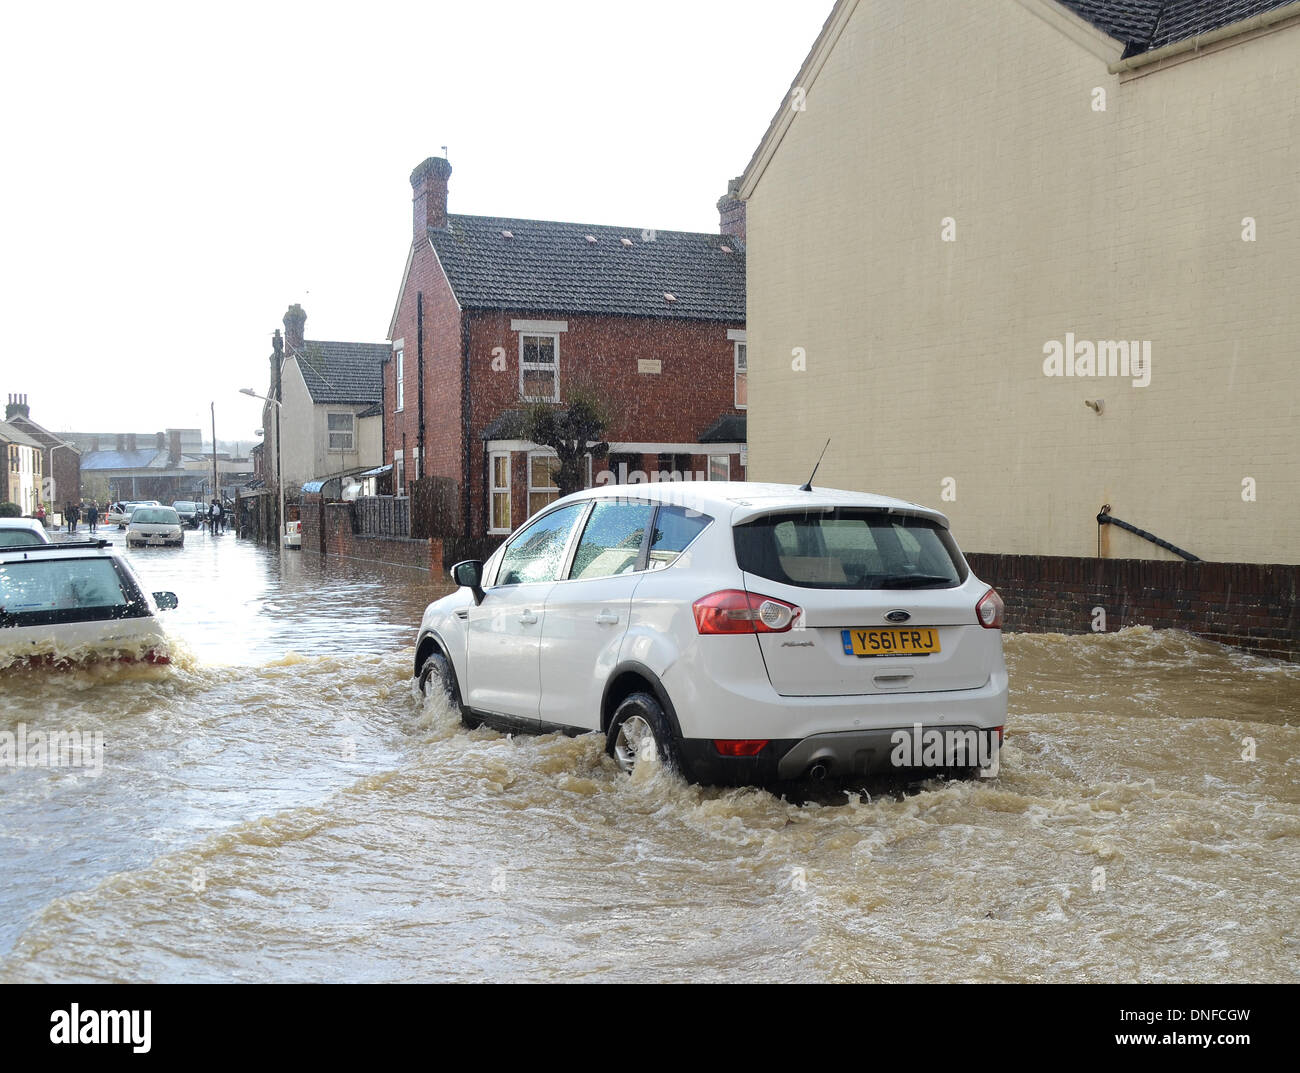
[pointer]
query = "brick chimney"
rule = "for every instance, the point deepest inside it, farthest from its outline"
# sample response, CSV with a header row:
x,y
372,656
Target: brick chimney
x,y
277,362
121,442
174,447
731,211
429,196
131,441
17,407
295,323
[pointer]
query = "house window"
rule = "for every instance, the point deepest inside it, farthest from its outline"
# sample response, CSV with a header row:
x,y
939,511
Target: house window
x,y
542,488
399,474
719,467
401,382
341,432
742,376
499,500
674,468
539,367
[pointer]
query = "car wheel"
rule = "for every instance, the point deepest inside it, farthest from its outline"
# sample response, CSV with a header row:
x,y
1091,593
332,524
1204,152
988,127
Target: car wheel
x,y
639,732
438,674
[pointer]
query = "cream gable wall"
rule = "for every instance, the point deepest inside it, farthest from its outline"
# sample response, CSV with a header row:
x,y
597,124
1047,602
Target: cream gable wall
x,y
924,358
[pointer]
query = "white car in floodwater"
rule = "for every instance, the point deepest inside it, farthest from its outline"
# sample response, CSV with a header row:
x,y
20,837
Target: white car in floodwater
x,y
74,601
17,531
741,633
119,514
155,527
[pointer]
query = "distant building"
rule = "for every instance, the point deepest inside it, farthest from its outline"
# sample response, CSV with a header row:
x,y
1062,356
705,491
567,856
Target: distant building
x,y
330,421
60,459
492,311
22,474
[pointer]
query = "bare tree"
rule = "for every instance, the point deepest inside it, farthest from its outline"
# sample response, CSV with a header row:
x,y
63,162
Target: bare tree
x,y
572,429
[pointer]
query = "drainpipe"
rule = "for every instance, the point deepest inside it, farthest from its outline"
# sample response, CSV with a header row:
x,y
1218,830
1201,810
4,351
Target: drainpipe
x,y
419,378
465,414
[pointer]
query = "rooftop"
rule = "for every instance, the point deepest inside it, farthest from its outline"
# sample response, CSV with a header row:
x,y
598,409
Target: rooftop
x,y
523,266
342,372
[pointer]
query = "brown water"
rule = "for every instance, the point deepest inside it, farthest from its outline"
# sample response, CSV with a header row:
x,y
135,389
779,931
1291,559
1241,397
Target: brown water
x,y
280,805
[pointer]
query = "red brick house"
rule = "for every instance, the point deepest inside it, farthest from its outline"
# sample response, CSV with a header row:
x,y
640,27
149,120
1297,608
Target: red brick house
x,y
493,310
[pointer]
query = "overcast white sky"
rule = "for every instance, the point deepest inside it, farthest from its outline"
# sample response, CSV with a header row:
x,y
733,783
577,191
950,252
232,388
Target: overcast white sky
x,y
176,175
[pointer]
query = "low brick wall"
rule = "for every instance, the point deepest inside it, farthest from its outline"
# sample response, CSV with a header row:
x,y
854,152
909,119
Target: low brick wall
x,y
1245,605
330,529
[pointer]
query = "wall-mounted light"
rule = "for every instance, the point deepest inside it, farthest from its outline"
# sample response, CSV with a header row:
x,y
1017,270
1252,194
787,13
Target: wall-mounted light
x,y
1095,405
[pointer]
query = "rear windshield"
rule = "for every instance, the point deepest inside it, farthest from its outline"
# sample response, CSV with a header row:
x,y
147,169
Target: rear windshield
x,y
850,549
15,537
155,516
184,506
64,590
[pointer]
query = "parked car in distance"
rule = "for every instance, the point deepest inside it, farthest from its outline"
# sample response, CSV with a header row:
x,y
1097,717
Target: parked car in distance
x,y
190,512
155,527
22,531
741,633
293,535
119,514
78,600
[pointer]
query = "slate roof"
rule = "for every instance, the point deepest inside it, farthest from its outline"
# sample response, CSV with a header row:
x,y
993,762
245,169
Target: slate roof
x,y
1144,25
148,458
13,434
377,410
552,267
343,372
729,428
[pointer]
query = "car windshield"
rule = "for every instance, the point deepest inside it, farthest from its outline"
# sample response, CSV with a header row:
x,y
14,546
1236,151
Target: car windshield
x,y
155,516
850,549
15,536
36,585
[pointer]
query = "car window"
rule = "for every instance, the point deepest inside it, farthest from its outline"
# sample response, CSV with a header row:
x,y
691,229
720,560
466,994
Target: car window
x,y
850,549
611,541
537,553
60,585
12,537
155,516
675,528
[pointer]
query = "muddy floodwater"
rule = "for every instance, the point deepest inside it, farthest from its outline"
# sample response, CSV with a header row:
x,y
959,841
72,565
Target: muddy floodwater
x,y
281,805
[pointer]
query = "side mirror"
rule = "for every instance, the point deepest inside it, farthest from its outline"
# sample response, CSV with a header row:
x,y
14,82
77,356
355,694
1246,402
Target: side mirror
x,y
469,575
166,601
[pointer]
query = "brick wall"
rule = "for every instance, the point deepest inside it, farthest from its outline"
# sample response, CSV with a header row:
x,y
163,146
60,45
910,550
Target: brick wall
x,y
1246,605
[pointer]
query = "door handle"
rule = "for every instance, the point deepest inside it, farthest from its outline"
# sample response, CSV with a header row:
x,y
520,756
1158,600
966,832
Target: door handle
x,y
528,617
607,618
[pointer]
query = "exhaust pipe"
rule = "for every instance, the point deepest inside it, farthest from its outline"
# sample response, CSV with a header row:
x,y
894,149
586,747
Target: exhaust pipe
x,y
818,772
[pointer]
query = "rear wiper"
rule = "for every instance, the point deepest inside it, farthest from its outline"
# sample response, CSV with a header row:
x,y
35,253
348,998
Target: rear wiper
x,y
912,581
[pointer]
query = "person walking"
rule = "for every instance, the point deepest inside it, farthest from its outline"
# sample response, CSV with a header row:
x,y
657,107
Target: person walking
x,y
74,515
92,516
214,514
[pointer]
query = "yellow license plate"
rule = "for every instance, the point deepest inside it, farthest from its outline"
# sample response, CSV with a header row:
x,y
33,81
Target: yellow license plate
x,y
890,641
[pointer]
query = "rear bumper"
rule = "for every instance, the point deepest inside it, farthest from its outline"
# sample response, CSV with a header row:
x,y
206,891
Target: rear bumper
x,y
846,755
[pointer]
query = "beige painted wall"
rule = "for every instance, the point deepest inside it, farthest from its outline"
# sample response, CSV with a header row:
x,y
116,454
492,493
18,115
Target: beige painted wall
x,y
925,358
304,426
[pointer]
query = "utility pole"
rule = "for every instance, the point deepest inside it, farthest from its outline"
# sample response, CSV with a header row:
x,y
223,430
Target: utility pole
x,y
216,488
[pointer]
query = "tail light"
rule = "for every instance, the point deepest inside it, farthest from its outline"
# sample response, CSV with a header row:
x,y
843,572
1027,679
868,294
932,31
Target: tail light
x,y
740,747
733,611
988,612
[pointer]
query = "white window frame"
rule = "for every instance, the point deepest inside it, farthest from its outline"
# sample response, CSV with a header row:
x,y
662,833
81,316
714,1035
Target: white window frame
x,y
538,489
494,490
726,460
399,474
399,391
350,431
735,365
552,367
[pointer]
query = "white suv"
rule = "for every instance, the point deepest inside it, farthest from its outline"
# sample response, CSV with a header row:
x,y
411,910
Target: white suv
x,y
742,633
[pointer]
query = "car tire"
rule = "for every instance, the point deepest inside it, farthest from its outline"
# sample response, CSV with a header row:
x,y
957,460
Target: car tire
x,y
438,672
638,716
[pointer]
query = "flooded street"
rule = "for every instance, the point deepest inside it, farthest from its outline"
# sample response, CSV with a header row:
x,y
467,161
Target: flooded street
x,y
281,805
